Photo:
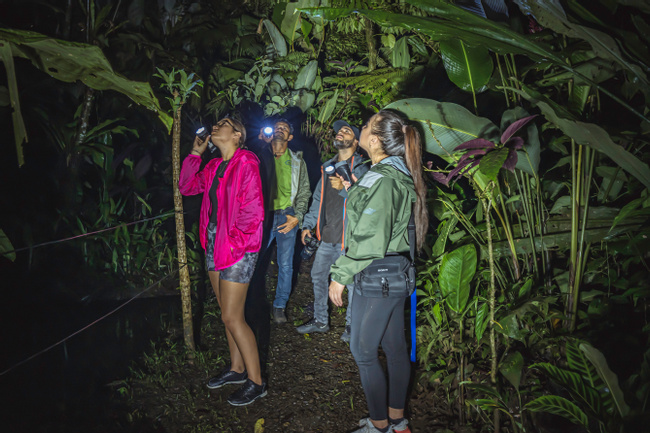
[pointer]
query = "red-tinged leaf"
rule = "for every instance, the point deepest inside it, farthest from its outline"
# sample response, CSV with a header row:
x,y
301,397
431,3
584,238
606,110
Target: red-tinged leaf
x,y
511,160
516,143
514,127
459,168
440,177
477,143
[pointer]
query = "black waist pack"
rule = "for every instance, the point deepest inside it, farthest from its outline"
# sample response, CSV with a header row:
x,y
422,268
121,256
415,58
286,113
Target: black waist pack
x,y
390,277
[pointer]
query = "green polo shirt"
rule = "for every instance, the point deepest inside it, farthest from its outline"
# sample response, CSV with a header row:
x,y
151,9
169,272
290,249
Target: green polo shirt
x,y
282,199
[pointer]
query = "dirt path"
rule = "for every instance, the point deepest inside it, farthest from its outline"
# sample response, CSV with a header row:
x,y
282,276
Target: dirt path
x,y
313,382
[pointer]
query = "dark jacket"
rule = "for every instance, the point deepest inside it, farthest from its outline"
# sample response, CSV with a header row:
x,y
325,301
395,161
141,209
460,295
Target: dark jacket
x,y
314,219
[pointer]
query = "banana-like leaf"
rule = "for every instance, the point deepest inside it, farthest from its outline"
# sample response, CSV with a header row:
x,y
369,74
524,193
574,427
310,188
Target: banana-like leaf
x,y
551,15
307,76
277,39
445,125
559,406
6,249
590,135
70,61
511,368
608,377
573,383
456,272
468,67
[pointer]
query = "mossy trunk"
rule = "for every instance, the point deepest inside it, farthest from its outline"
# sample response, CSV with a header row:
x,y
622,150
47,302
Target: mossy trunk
x,y
183,270
372,46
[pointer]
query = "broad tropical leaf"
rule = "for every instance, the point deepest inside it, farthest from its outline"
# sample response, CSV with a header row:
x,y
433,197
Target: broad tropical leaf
x,y
511,368
456,272
574,383
492,162
400,56
591,135
551,15
559,406
608,377
307,76
445,125
468,67
327,110
527,159
277,39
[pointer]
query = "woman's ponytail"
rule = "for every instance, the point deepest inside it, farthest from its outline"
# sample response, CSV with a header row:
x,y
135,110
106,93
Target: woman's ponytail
x,y
413,159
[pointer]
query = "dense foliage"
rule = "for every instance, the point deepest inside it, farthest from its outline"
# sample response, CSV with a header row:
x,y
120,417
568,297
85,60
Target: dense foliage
x,y
534,288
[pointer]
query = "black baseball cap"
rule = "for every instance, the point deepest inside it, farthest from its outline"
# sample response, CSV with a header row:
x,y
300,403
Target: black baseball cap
x,y
341,123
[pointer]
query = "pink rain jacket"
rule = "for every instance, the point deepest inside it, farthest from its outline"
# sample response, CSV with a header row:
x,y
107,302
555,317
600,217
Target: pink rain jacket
x,y
241,206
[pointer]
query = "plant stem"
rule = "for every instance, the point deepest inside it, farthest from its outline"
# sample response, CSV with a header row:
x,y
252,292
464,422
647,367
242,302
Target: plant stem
x,y
487,205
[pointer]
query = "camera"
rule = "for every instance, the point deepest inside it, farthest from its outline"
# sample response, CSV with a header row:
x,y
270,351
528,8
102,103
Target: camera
x,y
203,132
311,245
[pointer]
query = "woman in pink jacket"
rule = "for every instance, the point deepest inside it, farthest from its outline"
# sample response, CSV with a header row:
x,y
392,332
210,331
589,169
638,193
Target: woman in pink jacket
x,y
230,229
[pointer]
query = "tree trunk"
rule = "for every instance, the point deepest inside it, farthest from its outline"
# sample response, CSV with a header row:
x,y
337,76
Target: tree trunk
x,y
372,47
183,270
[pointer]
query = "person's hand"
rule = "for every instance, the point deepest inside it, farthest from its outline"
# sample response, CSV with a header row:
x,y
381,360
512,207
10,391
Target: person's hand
x,y
336,292
347,184
336,183
285,228
265,138
199,147
305,234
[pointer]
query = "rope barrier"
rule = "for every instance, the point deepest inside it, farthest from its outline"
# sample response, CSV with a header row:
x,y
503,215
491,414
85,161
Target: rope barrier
x,y
17,250
119,307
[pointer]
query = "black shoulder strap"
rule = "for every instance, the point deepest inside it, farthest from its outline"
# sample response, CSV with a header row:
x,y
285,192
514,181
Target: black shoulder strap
x,y
411,229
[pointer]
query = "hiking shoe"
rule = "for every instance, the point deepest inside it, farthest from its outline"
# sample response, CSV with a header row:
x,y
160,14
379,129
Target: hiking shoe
x,y
227,377
346,336
367,427
312,326
248,393
279,315
402,426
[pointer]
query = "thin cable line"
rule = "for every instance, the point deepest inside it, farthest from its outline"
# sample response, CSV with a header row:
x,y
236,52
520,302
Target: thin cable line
x,y
17,250
119,307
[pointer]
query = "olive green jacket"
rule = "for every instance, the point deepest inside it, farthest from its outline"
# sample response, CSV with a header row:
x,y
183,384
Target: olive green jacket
x,y
379,207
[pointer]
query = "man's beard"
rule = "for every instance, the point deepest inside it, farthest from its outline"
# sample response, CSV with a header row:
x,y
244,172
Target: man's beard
x,y
343,144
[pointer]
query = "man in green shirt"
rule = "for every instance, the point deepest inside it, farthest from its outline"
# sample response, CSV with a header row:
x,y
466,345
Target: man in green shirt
x,y
286,184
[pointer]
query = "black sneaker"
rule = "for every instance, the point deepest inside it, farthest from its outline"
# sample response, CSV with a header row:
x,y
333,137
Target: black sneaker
x,y
248,393
227,377
279,316
312,326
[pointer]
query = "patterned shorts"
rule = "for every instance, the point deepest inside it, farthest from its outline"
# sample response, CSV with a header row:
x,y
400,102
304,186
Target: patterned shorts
x,y
240,272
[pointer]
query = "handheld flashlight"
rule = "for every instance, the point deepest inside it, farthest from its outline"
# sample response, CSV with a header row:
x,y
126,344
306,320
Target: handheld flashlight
x,y
203,132
268,132
343,169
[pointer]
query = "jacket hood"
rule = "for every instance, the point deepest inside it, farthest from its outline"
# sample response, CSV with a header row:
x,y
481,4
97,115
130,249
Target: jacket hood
x,y
398,163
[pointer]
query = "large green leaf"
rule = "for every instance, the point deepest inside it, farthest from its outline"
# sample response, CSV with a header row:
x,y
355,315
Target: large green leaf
x,y
307,76
481,321
551,15
6,249
607,376
511,368
70,61
456,272
328,108
591,135
559,406
492,162
445,125
400,56
277,39
468,67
